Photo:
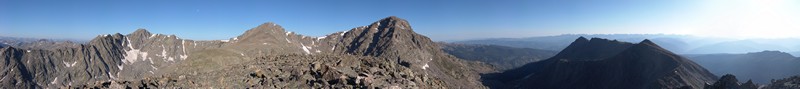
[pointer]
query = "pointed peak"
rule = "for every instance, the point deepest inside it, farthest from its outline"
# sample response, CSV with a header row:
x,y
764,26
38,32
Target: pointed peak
x,y
581,39
392,21
268,24
392,18
141,31
647,41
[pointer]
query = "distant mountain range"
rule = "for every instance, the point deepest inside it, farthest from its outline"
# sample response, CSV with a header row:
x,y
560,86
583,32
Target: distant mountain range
x,y
681,44
761,67
501,57
384,54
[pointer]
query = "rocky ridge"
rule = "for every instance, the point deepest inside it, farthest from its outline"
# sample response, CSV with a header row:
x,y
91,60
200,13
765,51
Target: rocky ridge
x,y
636,66
402,57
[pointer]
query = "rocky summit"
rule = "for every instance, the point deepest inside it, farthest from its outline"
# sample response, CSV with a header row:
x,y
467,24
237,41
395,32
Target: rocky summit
x,y
383,54
606,64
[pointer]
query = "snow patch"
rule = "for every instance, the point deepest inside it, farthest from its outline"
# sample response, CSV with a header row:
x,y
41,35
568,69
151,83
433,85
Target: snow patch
x,y
224,40
183,57
54,80
70,64
241,54
171,59
236,38
323,37
264,43
304,48
132,55
318,51
333,47
120,66
342,34
425,66
111,76
163,51
287,33
152,35
287,40
154,67
29,51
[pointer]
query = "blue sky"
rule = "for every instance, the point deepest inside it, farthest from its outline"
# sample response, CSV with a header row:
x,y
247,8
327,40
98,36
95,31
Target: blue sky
x,y
438,19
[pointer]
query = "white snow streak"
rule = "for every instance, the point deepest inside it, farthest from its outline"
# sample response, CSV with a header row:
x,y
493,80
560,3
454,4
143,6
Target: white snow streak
x,y
323,37
29,51
183,45
120,67
304,48
224,40
287,40
163,52
154,67
287,33
54,80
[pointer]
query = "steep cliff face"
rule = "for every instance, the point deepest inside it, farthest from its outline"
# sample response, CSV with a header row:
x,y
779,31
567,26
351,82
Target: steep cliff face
x,y
392,49
637,66
36,68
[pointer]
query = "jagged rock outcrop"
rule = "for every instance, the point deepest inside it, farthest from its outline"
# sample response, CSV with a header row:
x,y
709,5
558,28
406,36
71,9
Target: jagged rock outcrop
x,y
387,51
636,66
786,83
729,81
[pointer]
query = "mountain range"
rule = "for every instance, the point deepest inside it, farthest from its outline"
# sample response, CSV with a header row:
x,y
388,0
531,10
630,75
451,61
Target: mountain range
x,y
388,53
501,57
383,54
761,67
680,44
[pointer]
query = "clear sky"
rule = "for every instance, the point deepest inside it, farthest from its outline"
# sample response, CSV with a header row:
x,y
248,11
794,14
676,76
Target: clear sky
x,y
438,19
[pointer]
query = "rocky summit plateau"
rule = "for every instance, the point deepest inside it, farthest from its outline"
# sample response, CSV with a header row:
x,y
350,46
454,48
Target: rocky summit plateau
x,y
384,54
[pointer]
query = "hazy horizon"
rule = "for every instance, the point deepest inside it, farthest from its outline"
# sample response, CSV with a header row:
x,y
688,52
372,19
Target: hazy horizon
x,y
439,20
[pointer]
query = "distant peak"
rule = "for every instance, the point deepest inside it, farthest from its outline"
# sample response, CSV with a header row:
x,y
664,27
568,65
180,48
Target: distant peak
x,y
140,33
392,18
141,30
647,41
581,39
268,24
647,44
392,21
